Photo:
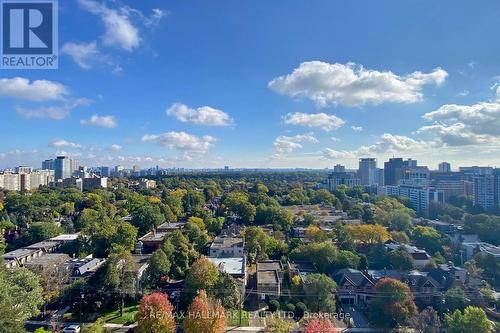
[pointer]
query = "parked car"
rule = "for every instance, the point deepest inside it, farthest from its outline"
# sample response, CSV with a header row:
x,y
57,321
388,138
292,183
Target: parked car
x,y
72,329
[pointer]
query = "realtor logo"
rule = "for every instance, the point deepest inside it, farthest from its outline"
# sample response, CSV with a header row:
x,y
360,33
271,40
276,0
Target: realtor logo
x,y
29,34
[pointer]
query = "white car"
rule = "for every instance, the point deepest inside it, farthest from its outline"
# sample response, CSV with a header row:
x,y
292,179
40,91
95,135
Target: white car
x,y
72,329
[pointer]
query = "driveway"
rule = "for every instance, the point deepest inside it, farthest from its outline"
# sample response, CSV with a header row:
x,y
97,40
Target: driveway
x,y
358,317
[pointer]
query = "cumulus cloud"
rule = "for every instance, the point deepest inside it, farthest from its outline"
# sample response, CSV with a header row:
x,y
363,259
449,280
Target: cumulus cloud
x,y
115,147
393,144
459,125
84,54
101,121
322,120
60,143
52,112
353,85
357,128
386,144
181,141
120,31
287,144
204,115
333,154
39,90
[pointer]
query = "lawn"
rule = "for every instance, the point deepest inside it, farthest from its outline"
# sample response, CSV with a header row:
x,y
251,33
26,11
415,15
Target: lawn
x,y
233,318
128,317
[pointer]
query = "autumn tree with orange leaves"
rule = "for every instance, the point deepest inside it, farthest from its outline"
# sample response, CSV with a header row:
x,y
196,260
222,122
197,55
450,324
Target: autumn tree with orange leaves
x,y
205,314
319,325
155,315
392,303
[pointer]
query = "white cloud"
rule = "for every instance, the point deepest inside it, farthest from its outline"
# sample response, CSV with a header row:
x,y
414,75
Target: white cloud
x,y
393,144
38,90
287,144
115,147
84,54
204,115
332,154
60,143
353,85
52,112
459,125
357,128
182,141
101,121
321,120
334,139
120,31
386,144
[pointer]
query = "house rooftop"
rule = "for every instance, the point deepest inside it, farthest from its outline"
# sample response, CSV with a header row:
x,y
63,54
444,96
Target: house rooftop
x,y
48,259
170,226
233,266
269,265
19,253
154,236
268,277
44,244
224,242
65,237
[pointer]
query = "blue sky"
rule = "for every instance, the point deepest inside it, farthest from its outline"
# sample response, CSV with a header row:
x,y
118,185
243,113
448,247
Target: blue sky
x,y
260,84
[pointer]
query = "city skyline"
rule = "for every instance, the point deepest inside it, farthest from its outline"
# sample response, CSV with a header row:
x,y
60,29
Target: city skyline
x,y
166,84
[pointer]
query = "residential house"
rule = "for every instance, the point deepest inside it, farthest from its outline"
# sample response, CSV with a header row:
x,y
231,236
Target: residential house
x,y
227,247
150,242
269,278
169,227
354,287
19,257
420,256
141,264
84,268
236,267
300,269
471,248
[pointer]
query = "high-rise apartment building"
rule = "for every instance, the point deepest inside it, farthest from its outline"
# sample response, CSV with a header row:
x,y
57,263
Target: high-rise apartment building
x,y
367,171
484,190
63,167
48,165
444,167
339,168
393,171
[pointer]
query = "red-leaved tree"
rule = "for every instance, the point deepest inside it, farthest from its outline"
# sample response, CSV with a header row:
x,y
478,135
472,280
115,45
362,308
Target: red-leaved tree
x,y
205,314
155,314
320,326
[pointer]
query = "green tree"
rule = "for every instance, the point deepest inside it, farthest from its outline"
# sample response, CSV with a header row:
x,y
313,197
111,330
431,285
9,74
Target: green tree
x,y
40,231
473,319
401,260
378,257
237,203
20,298
193,202
428,238
323,255
214,225
320,290
158,269
202,275
178,249
227,291
146,217
455,299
